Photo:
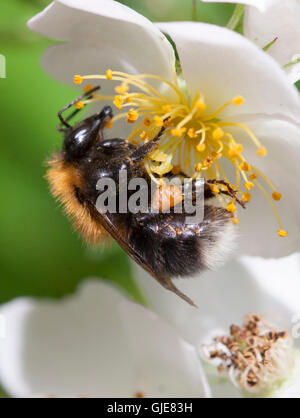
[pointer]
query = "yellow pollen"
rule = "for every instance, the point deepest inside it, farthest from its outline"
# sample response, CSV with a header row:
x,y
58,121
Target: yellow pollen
x,y
198,167
132,116
109,124
87,88
246,197
143,135
277,196
236,151
238,100
178,131
158,121
262,151
195,141
282,233
109,74
231,207
200,105
200,147
248,185
123,88
214,189
79,105
245,166
118,102
147,121
218,134
236,221
78,79
176,169
192,133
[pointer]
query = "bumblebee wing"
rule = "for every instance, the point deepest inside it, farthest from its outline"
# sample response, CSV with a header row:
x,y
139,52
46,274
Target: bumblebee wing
x,y
166,282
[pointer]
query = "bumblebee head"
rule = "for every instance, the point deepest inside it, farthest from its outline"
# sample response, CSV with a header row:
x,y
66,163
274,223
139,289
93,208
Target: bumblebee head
x,y
78,140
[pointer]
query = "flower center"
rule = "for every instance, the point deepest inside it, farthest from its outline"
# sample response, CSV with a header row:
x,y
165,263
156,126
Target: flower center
x,y
195,142
255,356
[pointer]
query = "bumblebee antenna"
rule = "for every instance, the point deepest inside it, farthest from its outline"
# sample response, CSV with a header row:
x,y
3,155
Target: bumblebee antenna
x,y
63,120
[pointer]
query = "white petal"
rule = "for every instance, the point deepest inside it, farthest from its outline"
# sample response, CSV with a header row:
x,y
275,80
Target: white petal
x,y
293,71
258,226
96,343
224,297
280,20
103,34
260,4
222,64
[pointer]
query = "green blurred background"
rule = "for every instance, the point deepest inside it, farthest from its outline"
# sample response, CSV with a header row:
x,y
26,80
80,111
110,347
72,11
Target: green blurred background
x,y
40,254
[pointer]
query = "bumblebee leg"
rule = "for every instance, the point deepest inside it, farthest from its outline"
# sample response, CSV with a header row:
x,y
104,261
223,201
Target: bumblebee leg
x,y
169,285
230,192
145,149
63,120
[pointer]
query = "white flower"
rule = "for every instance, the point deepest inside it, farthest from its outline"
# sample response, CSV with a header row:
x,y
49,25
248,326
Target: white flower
x,y
223,298
266,21
96,344
260,4
279,21
243,103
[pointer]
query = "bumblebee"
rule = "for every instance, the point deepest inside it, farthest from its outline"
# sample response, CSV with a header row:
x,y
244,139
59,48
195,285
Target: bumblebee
x,y
162,243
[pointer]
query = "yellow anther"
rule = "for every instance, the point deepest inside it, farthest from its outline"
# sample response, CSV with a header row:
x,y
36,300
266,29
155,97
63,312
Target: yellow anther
x,y
176,169
128,99
78,79
201,105
123,88
108,74
253,176
200,147
245,166
79,105
143,135
118,102
167,108
282,233
192,133
246,197
262,151
214,189
158,121
158,155
147,121
178,131
132,116
236,221
231,207
218,134
248,185
236,151
238,100
277,196
87,88
198,167
216,155
207,162
109,124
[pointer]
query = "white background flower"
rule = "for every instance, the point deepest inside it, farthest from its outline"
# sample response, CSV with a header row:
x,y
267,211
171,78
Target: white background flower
x,y
216,62
265,20
96,343
247,285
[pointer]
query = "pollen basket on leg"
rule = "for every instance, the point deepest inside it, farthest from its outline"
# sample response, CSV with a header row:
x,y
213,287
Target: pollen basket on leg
x,y
195,141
